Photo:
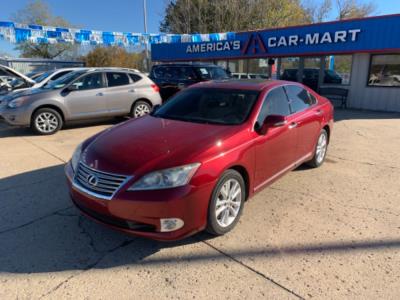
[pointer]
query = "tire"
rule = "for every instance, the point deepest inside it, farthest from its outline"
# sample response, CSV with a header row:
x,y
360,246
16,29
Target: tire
x,y
319,157
46,121
219,223
140,108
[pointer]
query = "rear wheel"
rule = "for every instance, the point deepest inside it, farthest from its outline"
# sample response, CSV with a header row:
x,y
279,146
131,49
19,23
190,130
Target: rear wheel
x,y
320,150
140,108
226,203
46,121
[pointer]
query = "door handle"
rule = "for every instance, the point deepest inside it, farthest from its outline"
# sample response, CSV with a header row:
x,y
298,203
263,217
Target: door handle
x,y
99,94
132,91
318,112
293,125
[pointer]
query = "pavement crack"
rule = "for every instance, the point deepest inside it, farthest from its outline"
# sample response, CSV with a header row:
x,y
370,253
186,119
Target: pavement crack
x,y
44,150
88,267
35,220
270,279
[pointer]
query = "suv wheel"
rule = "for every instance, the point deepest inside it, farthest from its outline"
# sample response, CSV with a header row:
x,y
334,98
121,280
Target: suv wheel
x,y
140,109
226,203
46,121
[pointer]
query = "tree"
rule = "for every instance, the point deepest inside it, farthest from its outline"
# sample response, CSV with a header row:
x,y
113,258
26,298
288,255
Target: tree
x,y
114,57
205,16
38,12
317,11
348,9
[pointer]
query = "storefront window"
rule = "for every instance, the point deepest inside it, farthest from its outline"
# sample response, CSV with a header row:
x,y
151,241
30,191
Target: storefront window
x,y
338,69
385,70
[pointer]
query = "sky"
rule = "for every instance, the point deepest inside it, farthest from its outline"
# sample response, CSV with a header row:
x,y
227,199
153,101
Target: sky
x,y
120,15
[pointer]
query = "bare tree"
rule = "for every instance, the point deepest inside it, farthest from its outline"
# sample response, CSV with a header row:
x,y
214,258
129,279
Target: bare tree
x,y
317,11
348,9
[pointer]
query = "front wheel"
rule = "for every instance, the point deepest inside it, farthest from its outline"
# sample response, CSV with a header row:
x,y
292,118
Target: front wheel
x,y
226,203
140,108
46,121
320,150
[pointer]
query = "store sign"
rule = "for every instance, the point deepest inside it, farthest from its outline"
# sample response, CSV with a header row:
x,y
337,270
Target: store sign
x,y
349,36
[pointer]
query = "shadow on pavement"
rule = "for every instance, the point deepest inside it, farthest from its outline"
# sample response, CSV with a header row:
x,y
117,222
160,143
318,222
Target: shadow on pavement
x,y
41,231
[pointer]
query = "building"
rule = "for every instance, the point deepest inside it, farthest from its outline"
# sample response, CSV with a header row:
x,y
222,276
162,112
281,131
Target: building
x,y
360,55
27,65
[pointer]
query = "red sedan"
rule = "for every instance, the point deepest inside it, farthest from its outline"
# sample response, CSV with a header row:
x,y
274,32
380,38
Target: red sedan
x,y
194,161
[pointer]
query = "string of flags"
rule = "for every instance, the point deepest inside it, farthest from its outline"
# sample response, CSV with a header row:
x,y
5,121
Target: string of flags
x,y
19,33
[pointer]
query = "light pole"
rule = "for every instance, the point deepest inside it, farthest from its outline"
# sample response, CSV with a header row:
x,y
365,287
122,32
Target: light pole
x,y
146,45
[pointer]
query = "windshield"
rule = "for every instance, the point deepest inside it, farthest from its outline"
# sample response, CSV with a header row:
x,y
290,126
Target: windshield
x,y
206,105
42,76
64,80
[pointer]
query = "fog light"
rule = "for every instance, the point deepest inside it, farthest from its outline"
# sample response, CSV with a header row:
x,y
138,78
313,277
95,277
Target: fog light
x,y
171,224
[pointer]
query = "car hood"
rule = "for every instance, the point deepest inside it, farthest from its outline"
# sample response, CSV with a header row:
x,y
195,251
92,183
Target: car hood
x,y
151,143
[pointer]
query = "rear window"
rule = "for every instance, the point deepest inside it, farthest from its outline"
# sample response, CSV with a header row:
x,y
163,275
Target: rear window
x,y
211,73
117,79
134,77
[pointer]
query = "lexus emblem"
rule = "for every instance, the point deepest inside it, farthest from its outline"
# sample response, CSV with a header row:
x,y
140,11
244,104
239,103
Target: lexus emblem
x,y
92,180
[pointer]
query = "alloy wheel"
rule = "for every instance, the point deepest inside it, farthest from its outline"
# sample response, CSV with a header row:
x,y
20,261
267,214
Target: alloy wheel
x,y
228,202
46,122
321,148
141,110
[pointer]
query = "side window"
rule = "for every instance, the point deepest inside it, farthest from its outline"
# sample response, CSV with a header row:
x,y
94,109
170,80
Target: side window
x,y
276,103
185,73
299,98
134,77
55,77
117,79
90,81
312,98
159,72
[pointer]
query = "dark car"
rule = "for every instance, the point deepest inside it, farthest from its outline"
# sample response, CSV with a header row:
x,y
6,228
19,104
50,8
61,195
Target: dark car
x,y
171,78
192,163
310,77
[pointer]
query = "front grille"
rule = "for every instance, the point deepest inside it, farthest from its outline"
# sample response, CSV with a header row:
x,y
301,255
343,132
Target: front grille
x,y
101,184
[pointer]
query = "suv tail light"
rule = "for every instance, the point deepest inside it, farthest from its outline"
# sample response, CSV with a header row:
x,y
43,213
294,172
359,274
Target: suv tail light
x,y
155,88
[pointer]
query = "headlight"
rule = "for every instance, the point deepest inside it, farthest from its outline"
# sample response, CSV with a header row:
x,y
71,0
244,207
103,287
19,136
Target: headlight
x,y
17,102
76,157
165,179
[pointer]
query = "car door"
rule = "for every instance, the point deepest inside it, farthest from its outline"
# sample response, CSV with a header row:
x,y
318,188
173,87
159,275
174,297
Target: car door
x,y
119,94
275,151
86,98
306,119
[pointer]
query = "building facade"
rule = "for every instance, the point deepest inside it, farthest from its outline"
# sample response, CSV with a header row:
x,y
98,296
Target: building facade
x,y
359,55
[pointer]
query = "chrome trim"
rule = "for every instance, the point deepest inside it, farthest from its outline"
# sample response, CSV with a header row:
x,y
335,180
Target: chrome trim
x,y
118,181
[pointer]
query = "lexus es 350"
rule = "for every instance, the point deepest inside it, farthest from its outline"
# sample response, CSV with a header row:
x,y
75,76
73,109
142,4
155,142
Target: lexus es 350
x,y
193,162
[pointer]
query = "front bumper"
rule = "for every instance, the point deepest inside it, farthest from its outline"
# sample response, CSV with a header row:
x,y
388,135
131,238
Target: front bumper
x,y
20,116
139,213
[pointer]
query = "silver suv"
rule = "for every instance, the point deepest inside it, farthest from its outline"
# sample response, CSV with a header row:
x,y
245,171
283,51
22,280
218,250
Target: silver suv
x,y
80,95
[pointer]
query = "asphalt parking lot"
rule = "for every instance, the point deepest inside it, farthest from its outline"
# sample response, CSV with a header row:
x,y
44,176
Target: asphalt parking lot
x,y
327,233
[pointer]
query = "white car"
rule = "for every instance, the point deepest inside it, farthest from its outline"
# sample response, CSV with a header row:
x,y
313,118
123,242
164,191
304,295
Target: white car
x,y
20,81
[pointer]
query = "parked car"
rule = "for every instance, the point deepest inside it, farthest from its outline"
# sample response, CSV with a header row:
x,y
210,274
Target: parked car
x,y
18,81
41,79
310,77
248,76
192,163
172,78
80,95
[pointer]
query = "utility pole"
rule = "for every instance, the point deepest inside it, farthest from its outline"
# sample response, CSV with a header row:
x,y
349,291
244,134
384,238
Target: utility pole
x,y
146,44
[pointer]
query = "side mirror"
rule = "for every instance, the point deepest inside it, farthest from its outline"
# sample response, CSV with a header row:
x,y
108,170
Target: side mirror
x,y
272,121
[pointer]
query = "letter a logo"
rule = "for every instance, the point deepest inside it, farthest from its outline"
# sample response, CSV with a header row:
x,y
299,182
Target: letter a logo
x,y
254,45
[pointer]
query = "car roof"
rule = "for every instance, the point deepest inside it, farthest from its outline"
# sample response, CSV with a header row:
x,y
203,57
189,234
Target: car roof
x,y
248,84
